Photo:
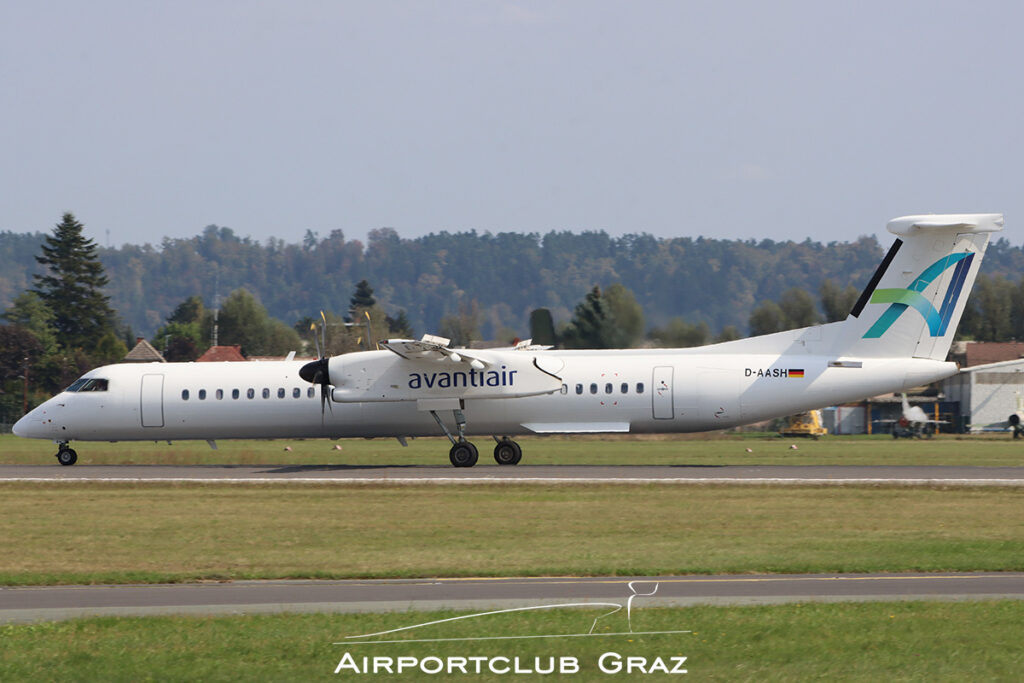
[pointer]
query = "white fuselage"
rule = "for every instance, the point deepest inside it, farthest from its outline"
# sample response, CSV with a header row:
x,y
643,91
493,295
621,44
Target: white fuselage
x,y
652,391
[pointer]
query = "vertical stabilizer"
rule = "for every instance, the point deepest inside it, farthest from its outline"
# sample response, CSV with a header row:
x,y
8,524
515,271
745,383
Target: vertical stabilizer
x,y
913,303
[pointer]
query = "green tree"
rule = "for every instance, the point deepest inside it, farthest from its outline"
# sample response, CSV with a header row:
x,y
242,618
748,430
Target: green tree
x,y
72,286
182,337
399,326
462,327
361,300
798,308
627,317
109,349
989,310
30,312
837,303
679,334
728,333
767,318
243,320
590,324
191,310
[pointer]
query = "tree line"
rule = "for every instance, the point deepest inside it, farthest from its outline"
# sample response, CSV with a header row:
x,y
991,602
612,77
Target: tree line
x,y
78,304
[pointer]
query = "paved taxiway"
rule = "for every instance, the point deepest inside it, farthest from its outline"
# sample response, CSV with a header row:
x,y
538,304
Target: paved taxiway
x,y
569,474
23,604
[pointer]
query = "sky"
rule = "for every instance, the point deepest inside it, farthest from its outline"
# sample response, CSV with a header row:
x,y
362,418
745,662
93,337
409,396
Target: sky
x,y
755,120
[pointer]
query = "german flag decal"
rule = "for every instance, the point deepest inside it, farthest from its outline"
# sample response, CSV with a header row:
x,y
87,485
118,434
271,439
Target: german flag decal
x,y
796,372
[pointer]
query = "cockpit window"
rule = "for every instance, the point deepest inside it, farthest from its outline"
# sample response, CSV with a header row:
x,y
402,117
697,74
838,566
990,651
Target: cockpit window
x,y
77,384
88,384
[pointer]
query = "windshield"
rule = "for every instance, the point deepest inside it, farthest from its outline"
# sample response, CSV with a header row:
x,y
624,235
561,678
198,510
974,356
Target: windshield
x,y
88,384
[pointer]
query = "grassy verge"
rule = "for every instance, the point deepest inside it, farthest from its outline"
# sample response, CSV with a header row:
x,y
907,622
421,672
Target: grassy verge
x,y
849,642
54,533
705,450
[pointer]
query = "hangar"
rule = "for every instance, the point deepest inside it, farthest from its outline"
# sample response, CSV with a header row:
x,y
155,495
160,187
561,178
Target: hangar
x,y
986,393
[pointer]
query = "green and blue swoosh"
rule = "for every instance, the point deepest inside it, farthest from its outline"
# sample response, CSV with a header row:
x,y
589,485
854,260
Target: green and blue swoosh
x,y
902,299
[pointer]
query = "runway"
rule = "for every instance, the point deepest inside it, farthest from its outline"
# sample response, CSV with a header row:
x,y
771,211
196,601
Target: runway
x,y
25,604
829,475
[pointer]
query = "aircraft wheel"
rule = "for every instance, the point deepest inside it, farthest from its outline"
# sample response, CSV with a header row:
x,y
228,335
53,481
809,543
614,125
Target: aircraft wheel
x,y
463,454
507,452
67,456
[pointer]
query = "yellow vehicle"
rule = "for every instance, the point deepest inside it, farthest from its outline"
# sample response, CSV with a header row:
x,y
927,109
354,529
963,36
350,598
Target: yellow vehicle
x,y
804,424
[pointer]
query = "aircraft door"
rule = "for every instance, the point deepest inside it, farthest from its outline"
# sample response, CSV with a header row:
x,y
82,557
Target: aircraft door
x,y
152,401
661,393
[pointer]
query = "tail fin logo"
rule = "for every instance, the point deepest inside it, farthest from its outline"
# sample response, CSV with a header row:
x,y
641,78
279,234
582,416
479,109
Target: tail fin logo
x,y
901,299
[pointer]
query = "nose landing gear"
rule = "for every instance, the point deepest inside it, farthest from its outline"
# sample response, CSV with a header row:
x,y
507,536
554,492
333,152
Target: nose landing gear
x,y
65,455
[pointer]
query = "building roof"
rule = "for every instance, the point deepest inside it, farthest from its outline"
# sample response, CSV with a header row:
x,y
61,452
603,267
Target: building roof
x,y
982,353
143,352
220,354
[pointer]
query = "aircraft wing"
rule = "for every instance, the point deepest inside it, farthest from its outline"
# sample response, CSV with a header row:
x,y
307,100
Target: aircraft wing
x,y
432,348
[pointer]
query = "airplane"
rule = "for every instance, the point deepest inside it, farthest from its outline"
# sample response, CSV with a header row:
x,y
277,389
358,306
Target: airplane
x,y
913,422
897,336
1014,423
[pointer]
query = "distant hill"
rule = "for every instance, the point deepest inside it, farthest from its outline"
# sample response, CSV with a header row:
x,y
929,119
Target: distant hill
x,y
508,274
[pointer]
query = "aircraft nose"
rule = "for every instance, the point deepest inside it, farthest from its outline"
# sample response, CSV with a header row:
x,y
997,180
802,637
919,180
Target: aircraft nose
x,y
23,427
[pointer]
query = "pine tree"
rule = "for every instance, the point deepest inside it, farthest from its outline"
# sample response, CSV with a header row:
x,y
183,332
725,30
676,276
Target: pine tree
x,y
590,323
72,286
361,300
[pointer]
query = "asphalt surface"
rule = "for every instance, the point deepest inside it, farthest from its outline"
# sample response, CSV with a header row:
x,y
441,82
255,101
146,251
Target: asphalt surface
x,y
683,474
25,604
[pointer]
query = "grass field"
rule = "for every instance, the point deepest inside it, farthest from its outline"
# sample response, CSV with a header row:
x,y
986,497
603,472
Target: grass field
x,y
850,642
705,450
96,533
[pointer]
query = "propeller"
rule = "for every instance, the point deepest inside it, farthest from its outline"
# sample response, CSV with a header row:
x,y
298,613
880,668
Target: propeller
x,y
318,371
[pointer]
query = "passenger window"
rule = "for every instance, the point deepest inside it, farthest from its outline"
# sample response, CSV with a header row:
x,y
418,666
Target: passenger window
x,y
234,393
184,394
310,392
608,388
579,388
593,388
266,393
280,393
565,389
220,394
625,388
639,387
296,392
250,393
202,394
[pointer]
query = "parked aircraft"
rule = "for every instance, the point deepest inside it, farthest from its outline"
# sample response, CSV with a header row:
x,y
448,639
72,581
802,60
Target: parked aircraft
x,y
1014,423
897,336
913,423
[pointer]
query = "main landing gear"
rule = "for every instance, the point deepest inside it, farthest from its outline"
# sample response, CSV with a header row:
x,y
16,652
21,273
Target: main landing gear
x,y
464,454
66,455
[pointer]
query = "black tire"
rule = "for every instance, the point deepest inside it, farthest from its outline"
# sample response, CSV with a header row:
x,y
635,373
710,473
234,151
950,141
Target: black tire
x,y
67,457
507,452
463,454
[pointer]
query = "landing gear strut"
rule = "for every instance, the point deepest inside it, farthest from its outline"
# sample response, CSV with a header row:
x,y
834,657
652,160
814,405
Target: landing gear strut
x,y
65,455
464,454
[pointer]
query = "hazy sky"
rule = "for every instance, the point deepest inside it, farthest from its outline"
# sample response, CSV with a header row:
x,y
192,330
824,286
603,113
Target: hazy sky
x,y
777,120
